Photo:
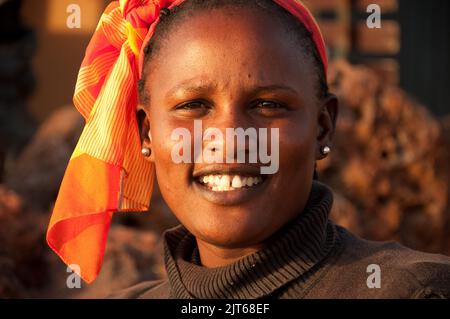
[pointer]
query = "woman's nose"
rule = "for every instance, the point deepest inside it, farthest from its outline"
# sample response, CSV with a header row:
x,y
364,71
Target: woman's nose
x,y
237,137
230,115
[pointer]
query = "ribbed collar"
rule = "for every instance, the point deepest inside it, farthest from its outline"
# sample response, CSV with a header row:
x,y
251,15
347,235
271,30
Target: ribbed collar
x,y
297,248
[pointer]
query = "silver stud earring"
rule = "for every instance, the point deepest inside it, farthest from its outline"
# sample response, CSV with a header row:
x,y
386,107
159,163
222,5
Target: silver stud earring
x,y
325,150
146,151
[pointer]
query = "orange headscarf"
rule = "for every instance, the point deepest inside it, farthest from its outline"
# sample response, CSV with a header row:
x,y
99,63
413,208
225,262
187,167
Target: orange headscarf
x,y
107,172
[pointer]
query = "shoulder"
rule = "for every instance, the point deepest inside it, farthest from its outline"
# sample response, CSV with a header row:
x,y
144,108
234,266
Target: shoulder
x,y
402,272
423,273
156,289
395,255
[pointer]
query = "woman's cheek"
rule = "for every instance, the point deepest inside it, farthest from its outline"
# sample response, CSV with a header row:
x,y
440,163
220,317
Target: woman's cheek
x,y
171,175
164,141
297,148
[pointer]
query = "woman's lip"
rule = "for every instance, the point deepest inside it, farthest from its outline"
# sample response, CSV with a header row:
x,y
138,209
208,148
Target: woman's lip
x,y
229,169
233,197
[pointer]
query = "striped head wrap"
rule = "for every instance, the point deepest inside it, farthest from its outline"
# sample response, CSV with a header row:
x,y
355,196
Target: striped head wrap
x,y
107,172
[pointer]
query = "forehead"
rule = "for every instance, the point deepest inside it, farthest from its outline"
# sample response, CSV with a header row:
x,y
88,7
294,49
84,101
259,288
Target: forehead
x,y
231,45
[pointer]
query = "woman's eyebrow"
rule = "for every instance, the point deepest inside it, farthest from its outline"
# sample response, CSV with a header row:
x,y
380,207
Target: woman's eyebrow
x,y
271,88
195,86
192,86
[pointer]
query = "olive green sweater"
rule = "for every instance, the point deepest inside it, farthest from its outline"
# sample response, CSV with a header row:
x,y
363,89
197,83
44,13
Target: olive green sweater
x,y
309,258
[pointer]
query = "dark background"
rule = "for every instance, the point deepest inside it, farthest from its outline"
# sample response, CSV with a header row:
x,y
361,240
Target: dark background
x,y
424,58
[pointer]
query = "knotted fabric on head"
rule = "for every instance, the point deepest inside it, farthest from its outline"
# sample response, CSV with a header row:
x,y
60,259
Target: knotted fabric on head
x,y
107,172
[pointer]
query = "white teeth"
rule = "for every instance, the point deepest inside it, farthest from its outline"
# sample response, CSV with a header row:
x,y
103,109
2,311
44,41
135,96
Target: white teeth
x,y
236,182
224,183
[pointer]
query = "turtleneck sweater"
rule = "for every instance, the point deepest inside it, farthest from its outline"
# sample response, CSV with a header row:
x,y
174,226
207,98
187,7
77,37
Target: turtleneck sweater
x,y
291,256
310,257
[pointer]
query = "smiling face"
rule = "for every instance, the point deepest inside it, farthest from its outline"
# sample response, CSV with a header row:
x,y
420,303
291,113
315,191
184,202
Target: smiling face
x,y
235,69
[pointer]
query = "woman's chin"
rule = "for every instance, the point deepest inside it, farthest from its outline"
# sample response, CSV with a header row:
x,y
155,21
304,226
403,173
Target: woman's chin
x,y
235,230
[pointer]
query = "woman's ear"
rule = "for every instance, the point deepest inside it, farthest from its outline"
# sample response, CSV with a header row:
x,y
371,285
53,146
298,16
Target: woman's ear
x,y
327,118
144,133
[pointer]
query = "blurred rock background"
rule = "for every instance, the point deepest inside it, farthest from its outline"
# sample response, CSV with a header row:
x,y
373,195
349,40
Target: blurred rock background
x,y
389,167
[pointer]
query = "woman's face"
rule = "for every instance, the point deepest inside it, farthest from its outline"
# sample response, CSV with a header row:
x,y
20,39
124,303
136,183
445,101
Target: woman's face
x,y
235,70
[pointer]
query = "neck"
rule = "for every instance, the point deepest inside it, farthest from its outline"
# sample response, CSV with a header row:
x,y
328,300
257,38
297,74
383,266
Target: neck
x,y
212,256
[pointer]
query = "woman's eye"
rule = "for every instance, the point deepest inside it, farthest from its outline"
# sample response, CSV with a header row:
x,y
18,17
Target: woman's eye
x,y
269,104
269,107
190,106
196,108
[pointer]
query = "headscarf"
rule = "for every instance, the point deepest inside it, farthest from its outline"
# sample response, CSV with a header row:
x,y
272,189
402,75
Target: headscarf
x,y
107,172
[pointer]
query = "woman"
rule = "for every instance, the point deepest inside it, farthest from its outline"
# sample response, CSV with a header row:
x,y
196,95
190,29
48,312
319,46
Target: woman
x,y
253,64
